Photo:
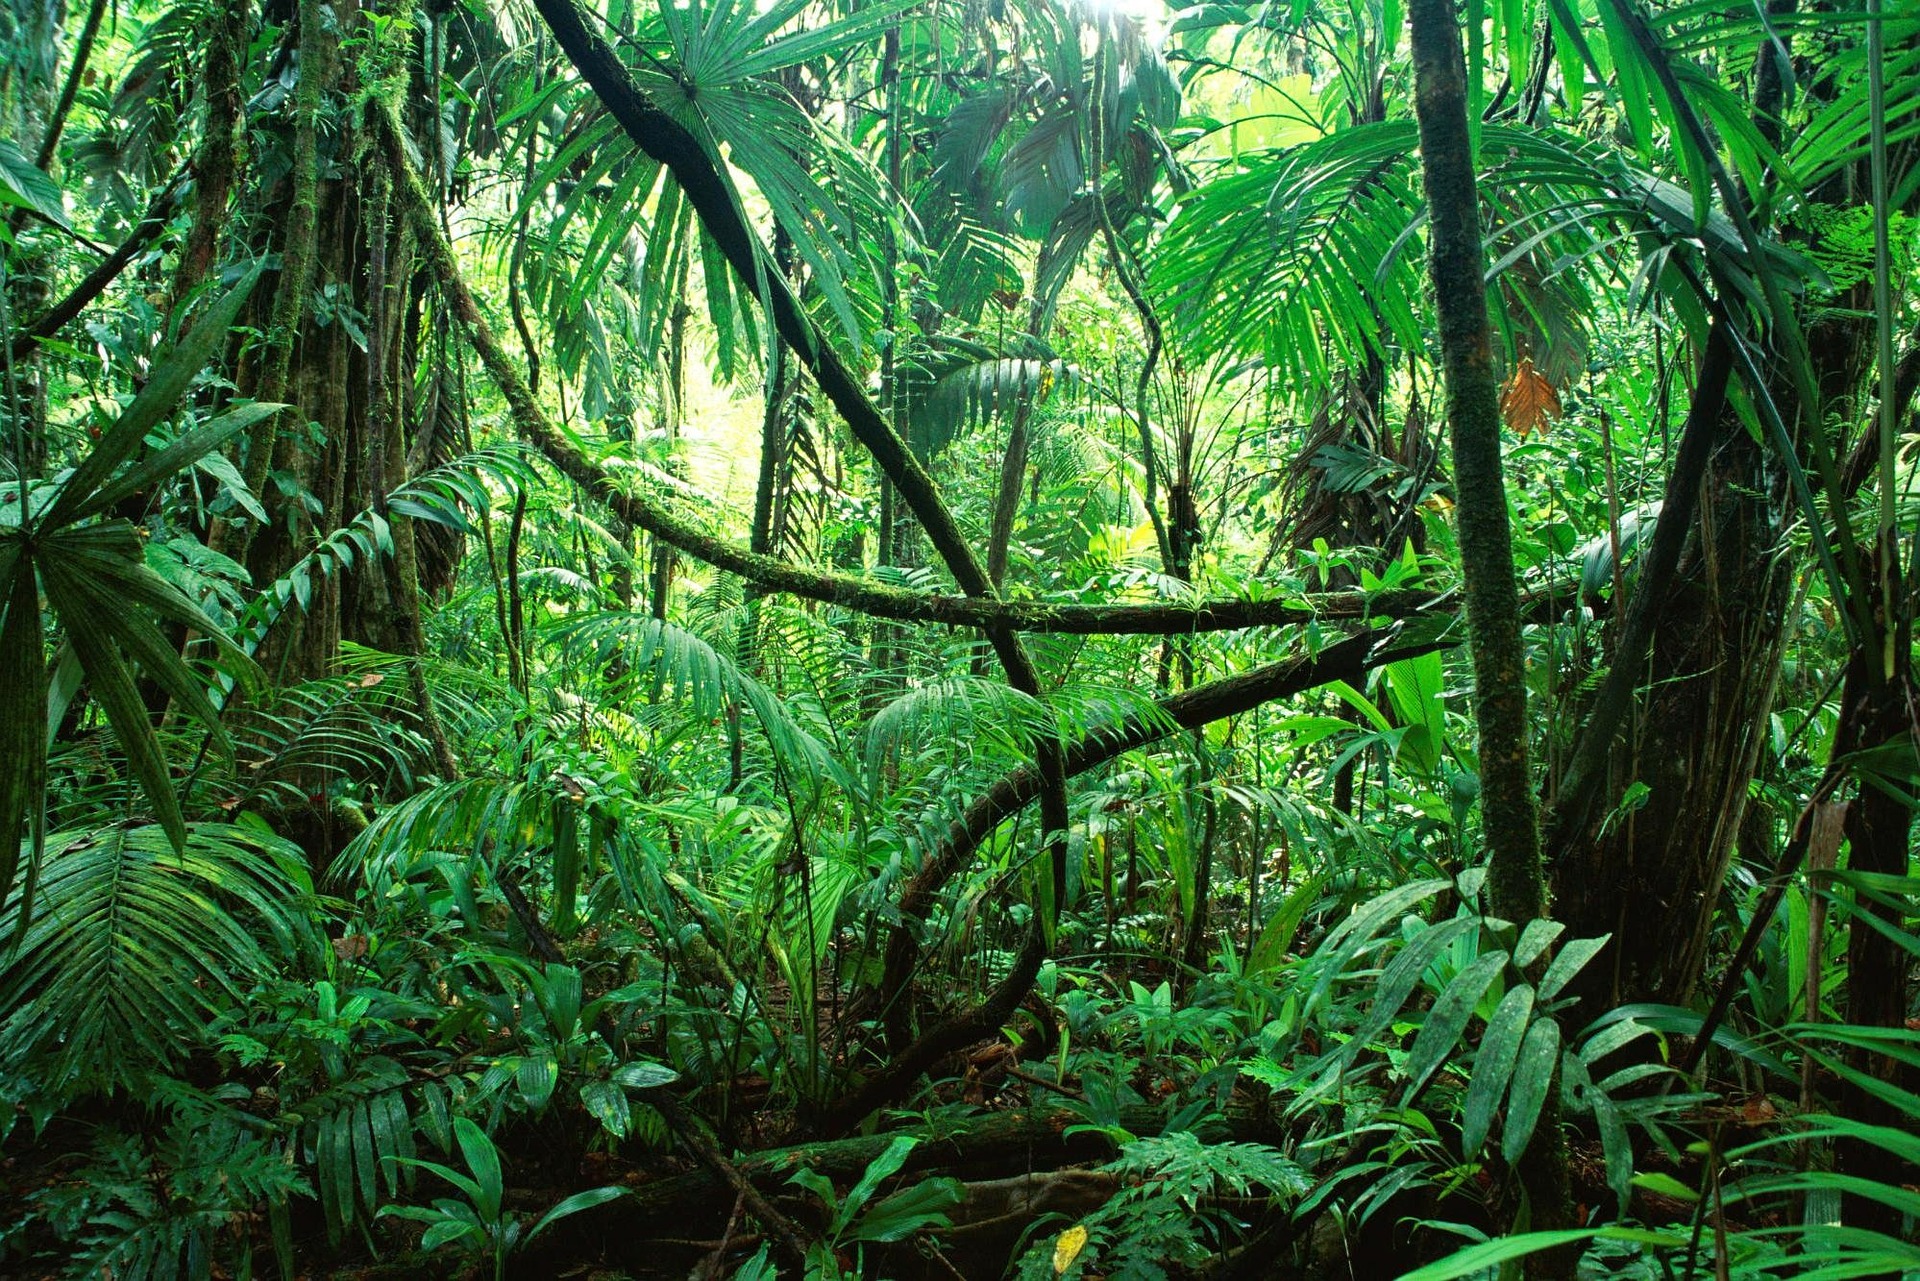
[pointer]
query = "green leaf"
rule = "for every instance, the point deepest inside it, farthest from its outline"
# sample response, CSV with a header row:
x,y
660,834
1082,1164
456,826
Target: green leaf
x,y
113,689
486,1188
109,552
1478,1259
1493,1067
536,1077
1277,936
414,509
169,382
1440,1033
88,602
176,454
1532,1080
1354,934
360,1127
1616,1145
566,867
644,1075
573,1205
136,943
445,1230
1569,961
923,1205
23,709
25,185
881,1168
1535,939
607,1104
233,484
1414,687
1396,984
1665,1185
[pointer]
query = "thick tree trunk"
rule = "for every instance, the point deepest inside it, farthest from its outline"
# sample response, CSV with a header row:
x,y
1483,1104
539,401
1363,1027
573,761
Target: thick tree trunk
x,y
1651,878
348,370
1878,828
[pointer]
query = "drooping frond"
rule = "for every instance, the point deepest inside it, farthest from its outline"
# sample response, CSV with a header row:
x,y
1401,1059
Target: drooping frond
x,y
665,661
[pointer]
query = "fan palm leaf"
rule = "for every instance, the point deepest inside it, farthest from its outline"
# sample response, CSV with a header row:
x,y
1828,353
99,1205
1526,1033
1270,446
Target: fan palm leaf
x,y
58,539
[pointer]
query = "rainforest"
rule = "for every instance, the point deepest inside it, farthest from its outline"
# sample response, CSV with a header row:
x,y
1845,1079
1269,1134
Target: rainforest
x,y
959,639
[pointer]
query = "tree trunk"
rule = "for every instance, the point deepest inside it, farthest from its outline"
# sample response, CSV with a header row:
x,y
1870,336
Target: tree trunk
x,y
216,166
343,347
1651,878
1878,828
1516,888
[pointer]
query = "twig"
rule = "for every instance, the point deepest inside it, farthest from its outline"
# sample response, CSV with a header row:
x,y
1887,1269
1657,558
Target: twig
x,y
710,1267
1066,1091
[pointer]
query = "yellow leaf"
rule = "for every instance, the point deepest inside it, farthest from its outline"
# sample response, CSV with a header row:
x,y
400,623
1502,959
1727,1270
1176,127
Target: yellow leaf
x,y
1068,1247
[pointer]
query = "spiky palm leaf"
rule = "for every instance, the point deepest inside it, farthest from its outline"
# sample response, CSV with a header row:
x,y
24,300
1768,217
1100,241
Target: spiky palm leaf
x,y
666,661
60,539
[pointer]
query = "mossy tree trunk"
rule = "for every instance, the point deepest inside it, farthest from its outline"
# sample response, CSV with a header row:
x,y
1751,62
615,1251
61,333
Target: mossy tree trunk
x,y
344,340
1515,884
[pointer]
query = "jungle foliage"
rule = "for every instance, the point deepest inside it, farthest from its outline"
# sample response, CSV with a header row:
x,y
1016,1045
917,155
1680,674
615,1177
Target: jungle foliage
x,y
959,638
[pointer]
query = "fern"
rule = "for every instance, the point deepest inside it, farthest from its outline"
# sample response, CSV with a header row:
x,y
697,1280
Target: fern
x,y
353,727
1163,1215
667,660
173,1209
437,496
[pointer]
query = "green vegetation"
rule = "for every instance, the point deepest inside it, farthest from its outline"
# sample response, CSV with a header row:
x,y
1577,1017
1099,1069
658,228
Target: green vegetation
x,y
945,638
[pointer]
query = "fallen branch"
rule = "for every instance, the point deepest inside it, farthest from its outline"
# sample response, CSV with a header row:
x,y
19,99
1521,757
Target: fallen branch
x,y
786,1238
992,1142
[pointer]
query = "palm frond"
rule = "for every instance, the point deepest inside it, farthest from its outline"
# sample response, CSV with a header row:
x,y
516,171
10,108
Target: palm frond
x,y
665,660
136,945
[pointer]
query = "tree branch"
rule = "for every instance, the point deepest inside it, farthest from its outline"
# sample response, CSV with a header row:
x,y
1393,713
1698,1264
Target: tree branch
x,y
672,145
1349,660
145,232
849,591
